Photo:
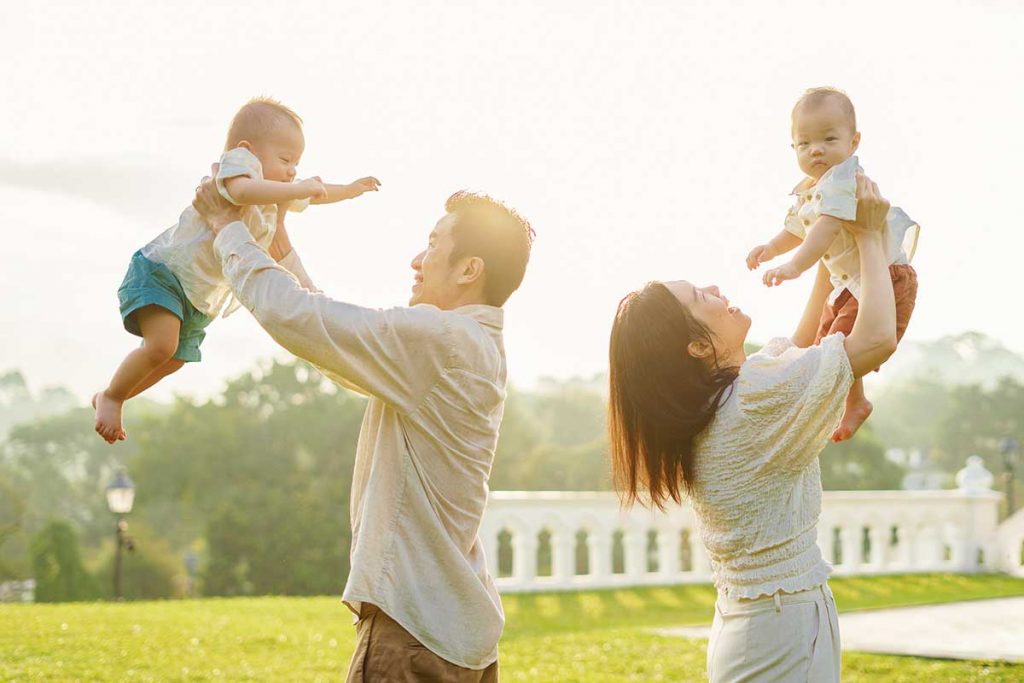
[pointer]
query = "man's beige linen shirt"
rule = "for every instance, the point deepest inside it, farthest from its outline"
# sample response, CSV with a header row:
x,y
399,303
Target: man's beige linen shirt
x,y
436,384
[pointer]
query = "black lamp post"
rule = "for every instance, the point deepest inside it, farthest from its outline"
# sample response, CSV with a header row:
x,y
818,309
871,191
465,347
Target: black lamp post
x,y
120,497
1009,447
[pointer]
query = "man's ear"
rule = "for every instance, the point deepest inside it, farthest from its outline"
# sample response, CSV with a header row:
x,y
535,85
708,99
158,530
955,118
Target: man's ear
x,y
472,271
245,144
856,141
700,349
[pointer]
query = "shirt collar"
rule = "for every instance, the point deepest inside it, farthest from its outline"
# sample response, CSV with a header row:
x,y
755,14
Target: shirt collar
x,y
489,316
804,185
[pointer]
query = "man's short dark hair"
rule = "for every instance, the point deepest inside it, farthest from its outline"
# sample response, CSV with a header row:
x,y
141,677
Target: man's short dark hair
x,y
486,228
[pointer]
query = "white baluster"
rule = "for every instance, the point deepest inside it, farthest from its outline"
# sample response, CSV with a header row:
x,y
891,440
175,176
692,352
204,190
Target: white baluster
x,y
636,554
563,546
668,550
490,544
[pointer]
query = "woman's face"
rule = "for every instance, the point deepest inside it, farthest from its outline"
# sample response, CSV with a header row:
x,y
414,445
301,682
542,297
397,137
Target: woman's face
x,y
728,324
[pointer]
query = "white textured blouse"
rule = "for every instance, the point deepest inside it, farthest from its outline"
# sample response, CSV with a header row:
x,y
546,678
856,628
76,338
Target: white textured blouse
x,y
186,247
757,487
835,194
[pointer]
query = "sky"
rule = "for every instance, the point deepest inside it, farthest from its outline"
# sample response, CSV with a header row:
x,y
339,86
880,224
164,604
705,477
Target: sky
x,y
643,140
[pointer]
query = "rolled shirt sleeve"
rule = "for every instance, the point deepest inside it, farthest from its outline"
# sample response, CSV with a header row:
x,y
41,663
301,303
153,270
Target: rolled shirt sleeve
x,y
396,354
836,192
793,398
298,205
793,224
237,163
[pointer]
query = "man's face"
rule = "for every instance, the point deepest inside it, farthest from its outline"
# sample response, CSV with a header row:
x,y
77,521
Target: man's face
x,y
436,279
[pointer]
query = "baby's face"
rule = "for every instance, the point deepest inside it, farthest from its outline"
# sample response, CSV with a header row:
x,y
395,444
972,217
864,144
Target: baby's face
x,y
823,136
279,152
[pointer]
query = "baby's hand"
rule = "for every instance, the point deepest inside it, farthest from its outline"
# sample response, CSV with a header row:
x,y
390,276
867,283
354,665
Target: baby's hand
x,y
312,188
760,254
367,184
777,276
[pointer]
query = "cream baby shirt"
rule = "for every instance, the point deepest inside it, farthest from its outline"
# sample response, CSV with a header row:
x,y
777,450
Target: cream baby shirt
x,y
835,194
187,247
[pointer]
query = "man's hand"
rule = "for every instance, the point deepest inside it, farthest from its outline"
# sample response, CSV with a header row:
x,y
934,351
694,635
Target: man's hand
x,y
281,245
215,210
777,276
358,187
758,255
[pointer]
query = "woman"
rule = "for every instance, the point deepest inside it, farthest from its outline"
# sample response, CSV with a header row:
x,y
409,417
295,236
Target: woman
x,y
690,414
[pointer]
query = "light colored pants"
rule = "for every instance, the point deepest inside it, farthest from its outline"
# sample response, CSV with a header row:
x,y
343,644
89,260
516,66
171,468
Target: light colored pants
x,y
782,637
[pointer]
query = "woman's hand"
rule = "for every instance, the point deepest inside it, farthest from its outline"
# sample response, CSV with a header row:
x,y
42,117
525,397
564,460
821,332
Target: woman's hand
x,y
872,209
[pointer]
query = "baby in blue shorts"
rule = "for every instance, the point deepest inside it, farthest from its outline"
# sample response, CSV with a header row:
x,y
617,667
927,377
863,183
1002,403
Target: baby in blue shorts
x,y
174,286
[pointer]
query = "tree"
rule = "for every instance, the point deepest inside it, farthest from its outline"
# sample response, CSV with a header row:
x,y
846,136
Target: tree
x,y
859,464
978,420
554,438
150,571
263,474
57,565
908,414
13,548
280,540
66,467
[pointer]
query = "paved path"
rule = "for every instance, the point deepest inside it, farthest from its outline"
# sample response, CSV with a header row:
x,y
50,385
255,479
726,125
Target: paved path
x,y
979,629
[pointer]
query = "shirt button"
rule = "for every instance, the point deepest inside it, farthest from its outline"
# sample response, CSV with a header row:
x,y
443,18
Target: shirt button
x,y
807,221
846,277
828,255
818,196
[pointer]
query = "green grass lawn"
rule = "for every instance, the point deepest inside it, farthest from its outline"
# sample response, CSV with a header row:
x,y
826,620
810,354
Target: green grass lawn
x,y
588,636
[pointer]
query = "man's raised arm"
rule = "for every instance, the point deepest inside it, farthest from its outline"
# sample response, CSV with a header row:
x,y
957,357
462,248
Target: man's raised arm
x,y
396,355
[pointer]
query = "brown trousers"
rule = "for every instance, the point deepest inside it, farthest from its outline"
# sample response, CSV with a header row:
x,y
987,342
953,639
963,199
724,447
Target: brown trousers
x,y
840,316
387,653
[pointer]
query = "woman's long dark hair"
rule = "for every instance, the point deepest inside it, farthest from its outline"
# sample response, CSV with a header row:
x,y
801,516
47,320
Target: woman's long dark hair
x,y
660,397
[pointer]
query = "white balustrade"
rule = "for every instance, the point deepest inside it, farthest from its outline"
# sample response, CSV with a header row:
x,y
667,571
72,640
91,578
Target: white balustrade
x,y
595,543
1009,545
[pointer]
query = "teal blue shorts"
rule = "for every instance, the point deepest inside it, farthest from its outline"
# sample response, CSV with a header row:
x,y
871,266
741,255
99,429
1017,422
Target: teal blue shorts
x,y
153,284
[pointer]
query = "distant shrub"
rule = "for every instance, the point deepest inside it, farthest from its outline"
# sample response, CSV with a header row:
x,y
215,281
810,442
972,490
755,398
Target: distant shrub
x,y
57,566
151,571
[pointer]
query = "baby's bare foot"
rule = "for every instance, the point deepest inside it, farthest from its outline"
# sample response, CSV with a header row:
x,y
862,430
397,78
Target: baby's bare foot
x,y
108,417
853,418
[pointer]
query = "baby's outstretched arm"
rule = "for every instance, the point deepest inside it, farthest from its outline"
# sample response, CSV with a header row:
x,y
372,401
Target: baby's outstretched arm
x,y
819,237
781,244
337,193
248,192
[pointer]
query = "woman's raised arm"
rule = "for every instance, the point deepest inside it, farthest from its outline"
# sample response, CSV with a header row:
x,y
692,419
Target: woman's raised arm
x,y
873,338
807,330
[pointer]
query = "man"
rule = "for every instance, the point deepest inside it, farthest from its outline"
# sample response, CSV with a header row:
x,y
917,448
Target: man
x,y
435,374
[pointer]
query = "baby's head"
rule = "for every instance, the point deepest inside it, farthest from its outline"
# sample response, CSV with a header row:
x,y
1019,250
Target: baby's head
x,y
824,130
272,132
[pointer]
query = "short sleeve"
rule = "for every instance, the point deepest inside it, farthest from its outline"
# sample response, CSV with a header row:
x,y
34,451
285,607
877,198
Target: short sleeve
x,y
836,193
903,234
793,398
299,205
235,163
793,225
